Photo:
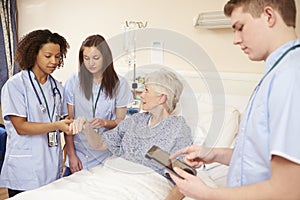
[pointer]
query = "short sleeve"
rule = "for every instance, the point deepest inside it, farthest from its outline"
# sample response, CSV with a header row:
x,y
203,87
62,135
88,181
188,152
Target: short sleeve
x,y
284,114
13,98
64,108
124,95
69,88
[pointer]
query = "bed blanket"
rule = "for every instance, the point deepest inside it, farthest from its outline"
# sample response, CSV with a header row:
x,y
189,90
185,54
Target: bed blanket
x,y
116,179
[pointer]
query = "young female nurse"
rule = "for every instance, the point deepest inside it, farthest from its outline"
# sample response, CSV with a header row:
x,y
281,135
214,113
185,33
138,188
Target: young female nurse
x,y
32,108
100,95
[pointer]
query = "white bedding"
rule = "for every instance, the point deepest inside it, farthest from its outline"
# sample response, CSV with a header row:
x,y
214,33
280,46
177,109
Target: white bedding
x,y
124,180
117,179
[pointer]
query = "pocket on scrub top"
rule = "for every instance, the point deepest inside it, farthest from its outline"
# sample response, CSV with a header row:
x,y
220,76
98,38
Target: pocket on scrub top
x,y
20,165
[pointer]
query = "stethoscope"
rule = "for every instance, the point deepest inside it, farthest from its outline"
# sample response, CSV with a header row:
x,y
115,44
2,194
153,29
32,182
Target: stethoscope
x,y
55,91
252,97
273,67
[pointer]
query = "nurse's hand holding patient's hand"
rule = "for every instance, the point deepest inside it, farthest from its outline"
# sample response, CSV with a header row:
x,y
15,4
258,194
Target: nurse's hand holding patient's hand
x,y
64,125
98,122
77,125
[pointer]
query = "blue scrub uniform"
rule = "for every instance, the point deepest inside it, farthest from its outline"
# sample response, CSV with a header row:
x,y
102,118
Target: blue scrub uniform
x,y
29,161
271,122
106,109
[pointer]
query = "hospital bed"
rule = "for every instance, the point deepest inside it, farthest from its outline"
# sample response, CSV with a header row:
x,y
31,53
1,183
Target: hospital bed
x,y
121,179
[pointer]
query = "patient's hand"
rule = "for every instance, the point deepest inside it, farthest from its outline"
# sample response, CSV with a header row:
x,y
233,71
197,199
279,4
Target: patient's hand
x,y
77,125
98,122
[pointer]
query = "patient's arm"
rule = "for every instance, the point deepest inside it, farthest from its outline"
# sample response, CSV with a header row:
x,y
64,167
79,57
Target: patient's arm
x,y
175,194
94,139
82,125
109,124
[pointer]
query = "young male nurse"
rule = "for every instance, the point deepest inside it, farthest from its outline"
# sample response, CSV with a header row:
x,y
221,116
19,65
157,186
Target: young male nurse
x,y
265,163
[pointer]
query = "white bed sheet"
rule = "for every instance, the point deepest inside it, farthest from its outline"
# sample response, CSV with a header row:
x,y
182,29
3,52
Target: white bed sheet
x,y
117,179
123,180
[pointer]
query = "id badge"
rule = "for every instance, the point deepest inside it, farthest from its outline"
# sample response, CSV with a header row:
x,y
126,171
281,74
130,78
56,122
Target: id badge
x,y
52,139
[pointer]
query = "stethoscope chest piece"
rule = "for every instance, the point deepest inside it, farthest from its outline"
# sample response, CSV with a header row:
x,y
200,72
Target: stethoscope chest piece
x,y
55,91
43,109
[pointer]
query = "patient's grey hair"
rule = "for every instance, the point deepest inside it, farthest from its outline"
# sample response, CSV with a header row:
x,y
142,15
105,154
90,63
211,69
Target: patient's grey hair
x,y
166,82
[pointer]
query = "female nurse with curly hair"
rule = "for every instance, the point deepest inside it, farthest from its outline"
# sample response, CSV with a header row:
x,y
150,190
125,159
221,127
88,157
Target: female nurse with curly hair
x,y
32,107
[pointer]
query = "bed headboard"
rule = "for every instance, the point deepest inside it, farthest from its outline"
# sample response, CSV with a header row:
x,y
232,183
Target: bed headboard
x,y
237,86
212,112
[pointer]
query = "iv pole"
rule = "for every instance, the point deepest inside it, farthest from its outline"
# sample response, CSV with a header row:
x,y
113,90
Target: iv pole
x,y
132,61
130,48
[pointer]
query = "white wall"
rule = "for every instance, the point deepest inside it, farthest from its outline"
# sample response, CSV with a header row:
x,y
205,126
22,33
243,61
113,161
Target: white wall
x,y
76,19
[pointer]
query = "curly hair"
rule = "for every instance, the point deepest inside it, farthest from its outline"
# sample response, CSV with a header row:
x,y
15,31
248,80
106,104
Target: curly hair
x,y
110,78
29,46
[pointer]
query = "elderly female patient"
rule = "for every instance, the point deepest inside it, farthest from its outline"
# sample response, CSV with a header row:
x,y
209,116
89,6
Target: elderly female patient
x,y
133,137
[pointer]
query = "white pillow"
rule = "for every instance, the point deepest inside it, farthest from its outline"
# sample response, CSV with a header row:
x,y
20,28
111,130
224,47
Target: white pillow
x,y
227,119
226,124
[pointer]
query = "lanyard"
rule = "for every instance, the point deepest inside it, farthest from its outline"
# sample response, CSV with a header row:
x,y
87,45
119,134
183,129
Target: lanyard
x,y
251,100
276,63
39,99
94,105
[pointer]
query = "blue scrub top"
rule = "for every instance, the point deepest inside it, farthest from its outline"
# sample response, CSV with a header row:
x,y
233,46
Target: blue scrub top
x,y
106,109
29,161
271,123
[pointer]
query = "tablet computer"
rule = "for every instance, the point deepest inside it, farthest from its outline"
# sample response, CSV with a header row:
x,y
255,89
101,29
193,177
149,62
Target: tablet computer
x,y
162,158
